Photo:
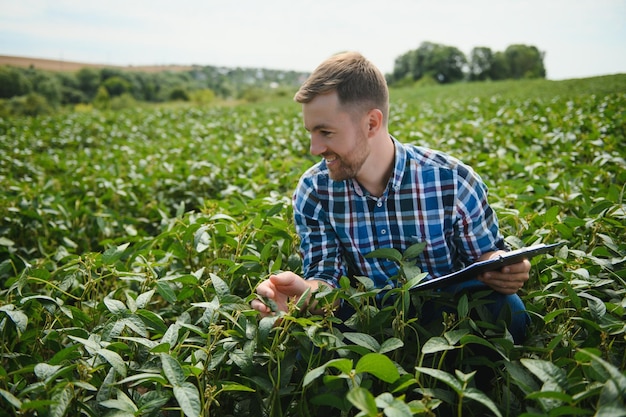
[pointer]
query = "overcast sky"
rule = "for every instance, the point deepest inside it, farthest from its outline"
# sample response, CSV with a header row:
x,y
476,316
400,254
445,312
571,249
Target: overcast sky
x,y
580,38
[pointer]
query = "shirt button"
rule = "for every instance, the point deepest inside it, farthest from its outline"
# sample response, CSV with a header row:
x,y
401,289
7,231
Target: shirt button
x,y
383,232
379,204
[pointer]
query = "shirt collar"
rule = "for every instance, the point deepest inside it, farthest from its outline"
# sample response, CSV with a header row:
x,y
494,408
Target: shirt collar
x,y
399,164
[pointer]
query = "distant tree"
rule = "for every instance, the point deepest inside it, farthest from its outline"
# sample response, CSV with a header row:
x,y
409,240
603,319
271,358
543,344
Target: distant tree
x,y
88,81
102,100
525,62
116,86
499,67
446,64
13,82
179,94
443,63
48,86
480,62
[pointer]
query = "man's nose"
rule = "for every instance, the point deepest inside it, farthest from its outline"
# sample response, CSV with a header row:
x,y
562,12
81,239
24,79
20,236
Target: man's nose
x,y
317,147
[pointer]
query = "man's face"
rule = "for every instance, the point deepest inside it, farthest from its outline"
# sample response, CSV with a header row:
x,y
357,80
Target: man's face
x,y
336,136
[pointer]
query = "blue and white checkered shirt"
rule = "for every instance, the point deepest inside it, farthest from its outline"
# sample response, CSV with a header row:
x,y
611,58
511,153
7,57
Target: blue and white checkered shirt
x,y
431,197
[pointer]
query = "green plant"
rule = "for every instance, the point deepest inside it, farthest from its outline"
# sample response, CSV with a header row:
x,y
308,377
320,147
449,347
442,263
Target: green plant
x,y
131,242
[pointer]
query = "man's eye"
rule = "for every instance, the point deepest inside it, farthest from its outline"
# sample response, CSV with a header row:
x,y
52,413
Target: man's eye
x,y
326,133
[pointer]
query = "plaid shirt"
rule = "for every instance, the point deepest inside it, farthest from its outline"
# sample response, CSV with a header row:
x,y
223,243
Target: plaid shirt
x,y
431,197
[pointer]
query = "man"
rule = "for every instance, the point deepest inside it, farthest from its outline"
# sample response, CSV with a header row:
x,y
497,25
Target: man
x,y
370,191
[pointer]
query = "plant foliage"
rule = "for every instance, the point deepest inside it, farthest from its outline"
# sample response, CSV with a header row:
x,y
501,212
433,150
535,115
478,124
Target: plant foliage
x,y
131,243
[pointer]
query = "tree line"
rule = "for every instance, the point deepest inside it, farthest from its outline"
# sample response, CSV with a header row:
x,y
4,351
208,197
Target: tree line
x,y
34,91
31,89
447,64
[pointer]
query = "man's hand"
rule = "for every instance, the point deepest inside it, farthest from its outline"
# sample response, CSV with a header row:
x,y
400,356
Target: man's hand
x,y
280,288
509,279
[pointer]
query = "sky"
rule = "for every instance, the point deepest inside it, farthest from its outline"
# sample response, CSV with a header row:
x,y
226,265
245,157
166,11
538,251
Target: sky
x,y
580,38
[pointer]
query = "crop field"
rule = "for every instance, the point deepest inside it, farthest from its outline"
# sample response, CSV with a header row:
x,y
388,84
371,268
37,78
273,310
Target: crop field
x,y
131,243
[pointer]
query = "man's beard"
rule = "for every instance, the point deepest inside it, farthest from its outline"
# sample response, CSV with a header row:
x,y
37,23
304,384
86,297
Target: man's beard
x,y
348,169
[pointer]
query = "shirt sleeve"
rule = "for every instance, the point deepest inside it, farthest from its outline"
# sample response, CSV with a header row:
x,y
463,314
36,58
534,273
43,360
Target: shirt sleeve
x,y
476,228
319,247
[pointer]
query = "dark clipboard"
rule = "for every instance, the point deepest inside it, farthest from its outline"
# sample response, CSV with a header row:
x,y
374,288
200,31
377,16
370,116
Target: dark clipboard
x,y
477,268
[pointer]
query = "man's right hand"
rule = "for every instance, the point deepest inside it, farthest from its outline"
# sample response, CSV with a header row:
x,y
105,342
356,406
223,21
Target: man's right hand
x,y
280,288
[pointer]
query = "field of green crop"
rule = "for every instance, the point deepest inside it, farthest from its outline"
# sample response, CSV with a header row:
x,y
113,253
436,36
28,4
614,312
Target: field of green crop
x,y
131,243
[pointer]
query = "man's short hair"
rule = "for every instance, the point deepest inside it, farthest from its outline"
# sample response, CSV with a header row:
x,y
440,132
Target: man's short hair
x,y
359,84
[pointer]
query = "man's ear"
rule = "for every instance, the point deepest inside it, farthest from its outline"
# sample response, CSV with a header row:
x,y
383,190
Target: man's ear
x,y
375,121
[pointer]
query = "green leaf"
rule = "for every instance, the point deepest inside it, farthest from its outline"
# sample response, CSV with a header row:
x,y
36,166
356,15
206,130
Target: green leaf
x,y
233,386
17,317
144,298
143,377
188,398
386,253
391,345
546,371
201,239
172,369
436,344
44,371
302,301
442,376
363,340
153,320
115,360
378,365
11,399
61,399
473,339
112,255
312,375
596,306
616,375
414,250
122,403
343,365
414,275
221,288
363,400
166,291
454,336
480,397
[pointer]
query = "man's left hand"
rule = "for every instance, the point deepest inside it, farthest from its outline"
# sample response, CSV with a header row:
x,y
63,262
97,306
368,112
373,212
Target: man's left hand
x,y
508,280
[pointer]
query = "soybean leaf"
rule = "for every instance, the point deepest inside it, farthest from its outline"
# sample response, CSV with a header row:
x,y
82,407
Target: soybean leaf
x,y
115,360
17,317
414,250
363,340
480,397
172,369
144,298
61,399
378,365
393,407
442,376
436,344
12,399
221,288
166,291
363,400
188,398
390,345
546,371
386,253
